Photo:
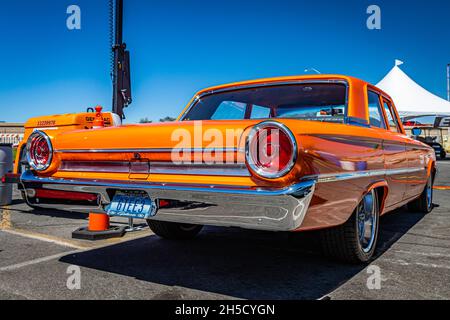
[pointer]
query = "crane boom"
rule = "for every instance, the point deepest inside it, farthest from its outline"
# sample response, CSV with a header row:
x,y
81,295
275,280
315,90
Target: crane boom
x,y
121,66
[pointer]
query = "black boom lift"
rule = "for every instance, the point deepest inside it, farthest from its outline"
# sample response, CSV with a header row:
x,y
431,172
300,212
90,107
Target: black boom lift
x,y
121,61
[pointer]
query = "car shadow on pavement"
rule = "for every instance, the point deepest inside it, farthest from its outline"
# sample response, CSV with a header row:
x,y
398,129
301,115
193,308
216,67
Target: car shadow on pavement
x,y
19,206
238,263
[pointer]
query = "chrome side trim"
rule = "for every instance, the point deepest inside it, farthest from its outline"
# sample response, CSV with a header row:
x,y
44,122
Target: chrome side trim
x,y
150,150
247,207
225,169
95,166
235,170
332,177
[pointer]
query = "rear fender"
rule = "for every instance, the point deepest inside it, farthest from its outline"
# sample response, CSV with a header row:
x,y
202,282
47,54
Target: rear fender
x,y
382,186
431,169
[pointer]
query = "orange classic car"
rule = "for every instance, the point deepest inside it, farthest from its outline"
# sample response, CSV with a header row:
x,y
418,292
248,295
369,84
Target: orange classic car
x,y
282,154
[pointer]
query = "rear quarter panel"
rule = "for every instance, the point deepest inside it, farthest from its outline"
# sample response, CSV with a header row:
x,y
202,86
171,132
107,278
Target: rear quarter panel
x,y
340,149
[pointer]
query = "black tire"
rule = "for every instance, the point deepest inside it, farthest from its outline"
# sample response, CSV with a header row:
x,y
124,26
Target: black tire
x,y
173,230
424,203
443,155
342,242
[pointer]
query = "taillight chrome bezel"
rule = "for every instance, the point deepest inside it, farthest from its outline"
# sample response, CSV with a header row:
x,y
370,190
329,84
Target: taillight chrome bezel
x,y
252,163
31,162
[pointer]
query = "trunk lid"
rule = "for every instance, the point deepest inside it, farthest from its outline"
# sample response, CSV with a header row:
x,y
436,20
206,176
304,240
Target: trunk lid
x,y
185,134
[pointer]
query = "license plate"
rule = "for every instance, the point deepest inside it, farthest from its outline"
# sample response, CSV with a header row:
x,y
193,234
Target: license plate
x,y
132,204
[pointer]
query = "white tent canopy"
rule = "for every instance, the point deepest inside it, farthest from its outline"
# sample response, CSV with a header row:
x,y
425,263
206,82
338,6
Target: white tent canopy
x,y
409,97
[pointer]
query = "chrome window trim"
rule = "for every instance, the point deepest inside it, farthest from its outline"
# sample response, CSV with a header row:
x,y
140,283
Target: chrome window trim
x,y
355,121
380,109
258,171
50,149
269,84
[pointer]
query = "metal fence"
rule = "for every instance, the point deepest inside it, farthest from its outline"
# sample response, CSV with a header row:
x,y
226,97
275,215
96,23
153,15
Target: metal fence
x,y
11,138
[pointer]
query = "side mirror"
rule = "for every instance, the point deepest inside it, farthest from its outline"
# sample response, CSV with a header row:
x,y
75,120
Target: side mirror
x,y
416,131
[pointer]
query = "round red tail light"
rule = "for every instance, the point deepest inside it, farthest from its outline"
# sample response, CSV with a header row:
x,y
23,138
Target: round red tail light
x,y
271,150
39,151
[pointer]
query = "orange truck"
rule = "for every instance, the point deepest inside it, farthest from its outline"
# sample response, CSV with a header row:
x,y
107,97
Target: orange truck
x,y
292,154
56,124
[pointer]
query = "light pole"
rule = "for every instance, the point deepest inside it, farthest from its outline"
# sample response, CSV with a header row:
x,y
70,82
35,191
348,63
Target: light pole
x,y
448,82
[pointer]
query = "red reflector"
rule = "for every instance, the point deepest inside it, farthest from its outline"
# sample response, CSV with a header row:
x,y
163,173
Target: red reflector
x,y
67,195
163,203
11,178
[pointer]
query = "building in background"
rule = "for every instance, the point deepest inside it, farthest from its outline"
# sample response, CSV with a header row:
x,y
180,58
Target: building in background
x,y
11,132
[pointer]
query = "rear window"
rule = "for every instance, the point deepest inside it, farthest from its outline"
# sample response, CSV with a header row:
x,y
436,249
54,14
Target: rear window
x,y
306,101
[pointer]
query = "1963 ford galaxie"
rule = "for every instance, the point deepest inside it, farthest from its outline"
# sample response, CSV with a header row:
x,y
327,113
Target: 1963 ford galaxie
x,y
281,154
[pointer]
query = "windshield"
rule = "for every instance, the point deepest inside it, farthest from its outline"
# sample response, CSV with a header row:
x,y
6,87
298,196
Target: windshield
x,y
306,101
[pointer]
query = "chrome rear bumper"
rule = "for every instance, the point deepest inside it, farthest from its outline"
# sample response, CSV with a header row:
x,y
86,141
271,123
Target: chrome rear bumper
x,y
251,208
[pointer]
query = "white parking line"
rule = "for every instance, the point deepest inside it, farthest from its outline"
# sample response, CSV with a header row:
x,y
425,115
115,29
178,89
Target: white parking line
x,y
36,261
426,254
46,238
426,265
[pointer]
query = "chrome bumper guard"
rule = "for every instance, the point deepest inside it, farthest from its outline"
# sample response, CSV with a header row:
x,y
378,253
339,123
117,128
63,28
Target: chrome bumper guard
x,y
245,207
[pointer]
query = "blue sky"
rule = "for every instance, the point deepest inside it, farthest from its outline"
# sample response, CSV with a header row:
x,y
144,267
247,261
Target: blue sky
x,y
179,47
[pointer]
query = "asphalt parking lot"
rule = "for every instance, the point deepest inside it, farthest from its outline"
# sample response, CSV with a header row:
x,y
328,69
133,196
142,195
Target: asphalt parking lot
x,y
36,251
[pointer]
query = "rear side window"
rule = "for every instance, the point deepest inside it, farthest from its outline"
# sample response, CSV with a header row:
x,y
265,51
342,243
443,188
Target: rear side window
x,y
229,110
259,112
375,114
392,120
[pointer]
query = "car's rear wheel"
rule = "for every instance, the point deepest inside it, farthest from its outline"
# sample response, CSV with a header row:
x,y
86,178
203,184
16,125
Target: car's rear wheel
x,y
355,241
443,155
173,230
424,203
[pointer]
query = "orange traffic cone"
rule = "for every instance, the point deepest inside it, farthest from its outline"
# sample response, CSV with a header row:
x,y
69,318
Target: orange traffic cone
x,y
98,228
98,222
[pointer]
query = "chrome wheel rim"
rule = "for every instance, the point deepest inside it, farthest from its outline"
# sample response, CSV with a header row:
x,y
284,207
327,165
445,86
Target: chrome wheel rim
x,y
367,220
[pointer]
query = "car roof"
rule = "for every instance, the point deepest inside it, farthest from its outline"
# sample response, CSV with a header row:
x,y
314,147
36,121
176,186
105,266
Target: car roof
x,y
352,81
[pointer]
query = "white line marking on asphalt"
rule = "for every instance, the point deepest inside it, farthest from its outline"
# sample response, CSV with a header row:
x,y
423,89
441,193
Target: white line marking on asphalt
x,y
426,254
36,261
427,265
45,238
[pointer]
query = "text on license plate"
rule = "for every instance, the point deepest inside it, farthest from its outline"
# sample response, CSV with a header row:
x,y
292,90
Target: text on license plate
x,y
132,204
